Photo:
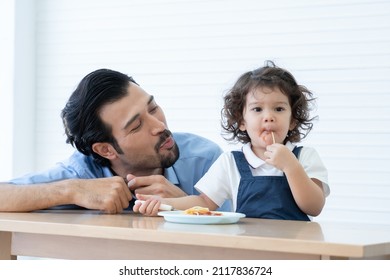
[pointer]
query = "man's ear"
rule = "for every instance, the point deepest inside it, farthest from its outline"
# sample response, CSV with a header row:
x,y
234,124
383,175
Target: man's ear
x,y
104,149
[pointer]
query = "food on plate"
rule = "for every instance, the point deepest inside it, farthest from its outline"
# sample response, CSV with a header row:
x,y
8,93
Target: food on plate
x,y
197,210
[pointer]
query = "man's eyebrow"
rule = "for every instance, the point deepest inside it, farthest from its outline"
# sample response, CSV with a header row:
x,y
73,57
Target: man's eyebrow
x,y
130,121
136,115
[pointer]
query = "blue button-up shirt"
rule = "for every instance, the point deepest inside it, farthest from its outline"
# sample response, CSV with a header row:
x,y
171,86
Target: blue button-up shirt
x,y
197,154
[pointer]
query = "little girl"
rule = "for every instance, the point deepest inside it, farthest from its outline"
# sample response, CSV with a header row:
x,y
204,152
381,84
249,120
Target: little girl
x,y
269,177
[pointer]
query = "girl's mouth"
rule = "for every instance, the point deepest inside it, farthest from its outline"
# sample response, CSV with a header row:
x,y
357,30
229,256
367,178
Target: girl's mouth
x,y
268,137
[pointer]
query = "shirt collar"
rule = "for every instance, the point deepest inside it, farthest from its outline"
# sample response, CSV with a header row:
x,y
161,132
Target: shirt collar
x,y
253,160
171,175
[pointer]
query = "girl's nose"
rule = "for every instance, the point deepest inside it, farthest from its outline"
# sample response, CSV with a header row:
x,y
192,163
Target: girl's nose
x,y
269,117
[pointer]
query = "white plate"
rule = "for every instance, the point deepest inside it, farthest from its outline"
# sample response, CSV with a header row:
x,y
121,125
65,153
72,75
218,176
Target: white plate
x,y
180,217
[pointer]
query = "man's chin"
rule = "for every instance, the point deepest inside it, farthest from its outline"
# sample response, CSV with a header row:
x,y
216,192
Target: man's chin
x,y
170,159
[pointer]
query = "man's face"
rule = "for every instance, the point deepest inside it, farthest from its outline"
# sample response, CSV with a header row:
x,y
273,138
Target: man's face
x,y
140,129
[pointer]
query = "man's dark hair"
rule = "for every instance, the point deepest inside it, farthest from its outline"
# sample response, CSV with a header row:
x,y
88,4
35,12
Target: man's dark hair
x,y
80,116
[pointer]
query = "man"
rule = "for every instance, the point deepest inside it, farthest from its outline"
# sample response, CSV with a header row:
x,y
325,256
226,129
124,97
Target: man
x,y
124,147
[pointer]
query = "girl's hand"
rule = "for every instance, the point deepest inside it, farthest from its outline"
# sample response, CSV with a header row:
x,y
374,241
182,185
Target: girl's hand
x,y
149,206
280,156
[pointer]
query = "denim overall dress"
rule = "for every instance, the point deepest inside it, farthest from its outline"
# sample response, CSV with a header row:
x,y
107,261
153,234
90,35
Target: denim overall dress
x,y
267,197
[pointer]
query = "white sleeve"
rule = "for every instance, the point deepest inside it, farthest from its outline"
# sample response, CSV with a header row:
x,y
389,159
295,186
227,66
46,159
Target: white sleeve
x,y
218,182
314,167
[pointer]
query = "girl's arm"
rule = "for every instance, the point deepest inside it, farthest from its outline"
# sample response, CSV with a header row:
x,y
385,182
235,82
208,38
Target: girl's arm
x,y
152,203
307,192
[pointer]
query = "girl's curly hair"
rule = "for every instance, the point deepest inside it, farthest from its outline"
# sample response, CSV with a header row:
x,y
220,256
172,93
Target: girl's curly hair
x,y
269,76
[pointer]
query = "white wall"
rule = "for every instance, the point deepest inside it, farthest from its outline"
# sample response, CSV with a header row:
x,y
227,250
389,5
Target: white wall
x,y
6,87
17,87
187,53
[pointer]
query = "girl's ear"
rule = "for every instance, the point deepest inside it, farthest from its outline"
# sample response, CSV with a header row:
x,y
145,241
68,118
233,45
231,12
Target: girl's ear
x,y
293,124
105,150
242,126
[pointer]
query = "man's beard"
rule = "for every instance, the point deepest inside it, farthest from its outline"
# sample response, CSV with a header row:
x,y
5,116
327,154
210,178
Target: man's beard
x,y
167,160
158,161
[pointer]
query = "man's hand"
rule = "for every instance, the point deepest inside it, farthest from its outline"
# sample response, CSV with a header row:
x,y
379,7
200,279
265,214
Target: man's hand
x,y
110,195
154,185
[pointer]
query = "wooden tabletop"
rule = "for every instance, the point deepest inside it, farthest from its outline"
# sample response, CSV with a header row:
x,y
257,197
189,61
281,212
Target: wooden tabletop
x,y
248,238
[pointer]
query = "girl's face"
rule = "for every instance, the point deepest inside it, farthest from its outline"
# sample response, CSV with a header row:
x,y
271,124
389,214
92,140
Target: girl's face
x,y
267,111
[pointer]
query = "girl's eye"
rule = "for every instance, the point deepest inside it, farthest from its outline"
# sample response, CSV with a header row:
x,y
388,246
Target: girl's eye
x,y
279,109
257,109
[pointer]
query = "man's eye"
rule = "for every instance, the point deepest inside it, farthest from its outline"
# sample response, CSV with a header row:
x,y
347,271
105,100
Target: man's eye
x,y
136,127
154,109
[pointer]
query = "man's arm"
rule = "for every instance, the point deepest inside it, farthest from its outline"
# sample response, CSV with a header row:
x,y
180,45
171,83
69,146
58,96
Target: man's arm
x,y
110,195
154,185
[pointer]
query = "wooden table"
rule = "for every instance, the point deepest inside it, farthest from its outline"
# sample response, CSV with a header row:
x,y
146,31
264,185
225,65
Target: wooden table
x,y
93,235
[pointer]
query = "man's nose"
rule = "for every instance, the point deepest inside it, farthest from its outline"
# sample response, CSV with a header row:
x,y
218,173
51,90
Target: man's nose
x,y
157,125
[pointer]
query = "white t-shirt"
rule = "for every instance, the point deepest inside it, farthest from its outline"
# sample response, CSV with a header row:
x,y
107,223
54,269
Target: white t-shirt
x,y
221,181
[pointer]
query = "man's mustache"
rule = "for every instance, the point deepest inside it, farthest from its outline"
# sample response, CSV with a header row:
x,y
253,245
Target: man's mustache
x,y
164,136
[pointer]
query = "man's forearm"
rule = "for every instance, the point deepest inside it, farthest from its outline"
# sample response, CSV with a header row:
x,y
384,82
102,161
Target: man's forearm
x,y
23,198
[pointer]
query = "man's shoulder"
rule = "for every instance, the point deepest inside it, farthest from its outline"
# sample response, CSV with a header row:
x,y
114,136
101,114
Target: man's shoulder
x,y
192,144
84,165
79,159
186,138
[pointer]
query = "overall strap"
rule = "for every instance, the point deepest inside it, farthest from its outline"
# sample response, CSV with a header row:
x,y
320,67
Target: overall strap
x,y
297,150
242,164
